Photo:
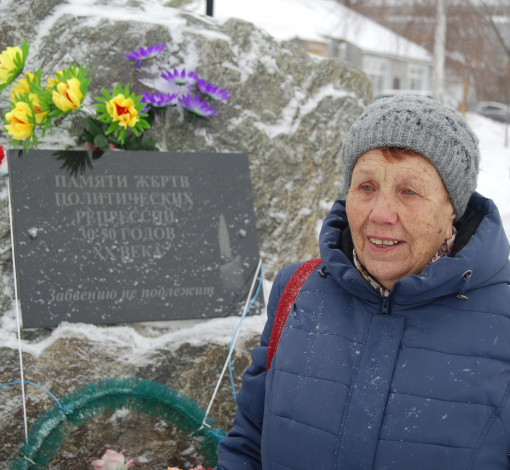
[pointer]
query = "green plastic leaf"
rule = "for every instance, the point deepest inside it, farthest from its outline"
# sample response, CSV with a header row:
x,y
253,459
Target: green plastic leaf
x,y
45,127
113,126
91,126
144,124
105,93
87,138
100,141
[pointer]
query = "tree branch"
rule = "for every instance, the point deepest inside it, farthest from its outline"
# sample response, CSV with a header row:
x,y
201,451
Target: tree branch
x,y
491,22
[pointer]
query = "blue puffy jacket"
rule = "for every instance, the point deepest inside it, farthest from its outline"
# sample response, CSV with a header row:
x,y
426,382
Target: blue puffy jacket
x,y
418,381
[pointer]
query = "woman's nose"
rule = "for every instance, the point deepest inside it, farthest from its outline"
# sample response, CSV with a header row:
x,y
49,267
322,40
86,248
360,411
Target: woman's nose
x,y
383,210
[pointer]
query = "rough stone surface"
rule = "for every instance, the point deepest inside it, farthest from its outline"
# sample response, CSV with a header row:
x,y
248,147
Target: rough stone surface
x,y
289,112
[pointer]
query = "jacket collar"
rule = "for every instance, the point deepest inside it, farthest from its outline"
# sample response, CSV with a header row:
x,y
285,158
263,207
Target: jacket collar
x,y
485,254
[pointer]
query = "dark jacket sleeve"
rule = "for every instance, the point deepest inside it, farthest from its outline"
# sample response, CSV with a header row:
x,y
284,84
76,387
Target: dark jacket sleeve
x,y
241,448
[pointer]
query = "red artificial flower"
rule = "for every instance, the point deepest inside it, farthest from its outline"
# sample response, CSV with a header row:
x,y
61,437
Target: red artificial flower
x,y
2,154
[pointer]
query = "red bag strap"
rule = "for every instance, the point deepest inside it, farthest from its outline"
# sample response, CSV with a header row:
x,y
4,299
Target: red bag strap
x,y
287,300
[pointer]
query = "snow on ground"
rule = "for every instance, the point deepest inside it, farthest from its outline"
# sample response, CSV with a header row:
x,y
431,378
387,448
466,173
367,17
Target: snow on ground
x,y
494,177
130,340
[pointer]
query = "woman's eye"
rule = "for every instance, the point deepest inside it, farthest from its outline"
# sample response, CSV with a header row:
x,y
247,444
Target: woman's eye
x,y
409,192
366,187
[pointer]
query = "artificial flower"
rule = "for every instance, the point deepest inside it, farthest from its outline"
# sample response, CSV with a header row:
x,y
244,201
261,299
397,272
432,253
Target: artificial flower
x,y
20,120
12,62
22,85
20,90
38,113
52,82
180,78
7,64
2,154
197,107
68,96
65,93
112,460
123,111
145,54
158,100
212,92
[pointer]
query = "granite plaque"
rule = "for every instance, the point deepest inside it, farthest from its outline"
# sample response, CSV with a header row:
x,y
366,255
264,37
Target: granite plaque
x,y
136,236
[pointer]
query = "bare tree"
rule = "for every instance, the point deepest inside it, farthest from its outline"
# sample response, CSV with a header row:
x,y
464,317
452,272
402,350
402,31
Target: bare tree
x,y
475,49
439,50
490,20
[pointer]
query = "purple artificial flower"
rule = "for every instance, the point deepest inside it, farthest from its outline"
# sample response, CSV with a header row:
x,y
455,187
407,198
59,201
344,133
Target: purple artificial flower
x,y
145,54
197,107
180,79
212,92
158,100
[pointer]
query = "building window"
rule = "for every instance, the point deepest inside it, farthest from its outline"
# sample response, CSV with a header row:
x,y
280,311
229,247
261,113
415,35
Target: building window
x,y
377,70
396,83
416,77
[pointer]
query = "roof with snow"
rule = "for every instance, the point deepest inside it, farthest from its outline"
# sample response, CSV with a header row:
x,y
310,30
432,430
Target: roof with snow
x,y
317,20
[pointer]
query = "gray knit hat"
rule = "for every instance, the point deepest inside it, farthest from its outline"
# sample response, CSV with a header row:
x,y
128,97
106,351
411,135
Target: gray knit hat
x,y
424,125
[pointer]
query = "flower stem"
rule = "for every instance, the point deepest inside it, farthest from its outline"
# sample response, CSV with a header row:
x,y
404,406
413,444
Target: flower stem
x,y
175,125
187,132
153,83
163,122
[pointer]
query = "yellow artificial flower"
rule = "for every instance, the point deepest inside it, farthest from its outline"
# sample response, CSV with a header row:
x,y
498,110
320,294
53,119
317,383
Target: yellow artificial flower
x,y
20,87
19,128
122,110
68,97
7,62
39,116
52,81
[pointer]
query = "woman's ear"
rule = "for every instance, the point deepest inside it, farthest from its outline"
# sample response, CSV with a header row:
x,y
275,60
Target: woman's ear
x,y
449,228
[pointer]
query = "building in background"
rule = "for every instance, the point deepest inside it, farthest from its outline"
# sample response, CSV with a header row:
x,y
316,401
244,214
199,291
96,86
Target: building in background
x,y
329,29
477,65
394,64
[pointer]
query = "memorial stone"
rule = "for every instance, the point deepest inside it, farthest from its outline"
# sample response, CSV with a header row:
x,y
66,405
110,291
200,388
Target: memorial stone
x,y
133,236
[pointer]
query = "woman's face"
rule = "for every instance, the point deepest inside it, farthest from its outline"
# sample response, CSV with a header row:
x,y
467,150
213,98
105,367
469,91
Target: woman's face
x,y
402,201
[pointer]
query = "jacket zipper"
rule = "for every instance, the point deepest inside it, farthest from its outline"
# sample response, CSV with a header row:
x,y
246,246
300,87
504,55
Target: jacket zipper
x,y
385,307
385,310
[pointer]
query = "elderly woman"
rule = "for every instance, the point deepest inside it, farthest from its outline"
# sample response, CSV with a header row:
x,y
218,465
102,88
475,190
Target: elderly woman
x,y
396,352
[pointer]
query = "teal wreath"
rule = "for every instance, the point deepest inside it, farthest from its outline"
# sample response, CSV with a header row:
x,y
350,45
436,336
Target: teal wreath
x,y
54,426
